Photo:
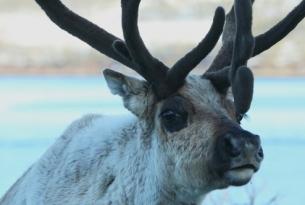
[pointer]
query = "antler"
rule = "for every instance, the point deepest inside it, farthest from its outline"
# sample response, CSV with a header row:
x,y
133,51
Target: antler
x,y
262,42
238,75
133,53
149,67
165,81
81,28
241,76
280,30
181,69
229,66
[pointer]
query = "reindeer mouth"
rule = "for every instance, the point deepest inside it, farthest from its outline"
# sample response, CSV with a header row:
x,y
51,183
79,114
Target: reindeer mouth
x,y
246,166
240,175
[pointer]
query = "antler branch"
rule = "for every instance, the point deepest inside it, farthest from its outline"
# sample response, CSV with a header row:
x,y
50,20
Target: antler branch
x,y
133,52
244,41
263,41
241,76
186,64
280,30
149,67
81,28
237,75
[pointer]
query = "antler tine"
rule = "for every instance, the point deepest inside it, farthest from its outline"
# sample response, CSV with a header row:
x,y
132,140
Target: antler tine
x,y
186,64
224,56
150,68
81,28
244,41
241,77
237,74
165,81
133,52
262,42
280,30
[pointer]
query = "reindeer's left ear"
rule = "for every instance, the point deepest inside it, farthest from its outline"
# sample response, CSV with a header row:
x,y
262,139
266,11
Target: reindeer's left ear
x,y
220,79
134,92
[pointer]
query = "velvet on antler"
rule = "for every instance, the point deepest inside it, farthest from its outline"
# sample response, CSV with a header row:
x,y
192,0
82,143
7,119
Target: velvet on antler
x,y
83,29
164,80
280,30
229,66
238,75
263,41
186,64
132,52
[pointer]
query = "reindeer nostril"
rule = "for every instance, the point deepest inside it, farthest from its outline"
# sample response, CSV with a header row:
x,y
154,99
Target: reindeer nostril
x,y
231,145
235,152
260,153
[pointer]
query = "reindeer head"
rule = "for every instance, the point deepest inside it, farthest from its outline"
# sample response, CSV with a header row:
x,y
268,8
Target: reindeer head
x,y
195,119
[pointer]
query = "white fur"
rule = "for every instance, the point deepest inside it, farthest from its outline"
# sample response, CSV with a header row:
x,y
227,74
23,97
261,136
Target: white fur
x,y
71,153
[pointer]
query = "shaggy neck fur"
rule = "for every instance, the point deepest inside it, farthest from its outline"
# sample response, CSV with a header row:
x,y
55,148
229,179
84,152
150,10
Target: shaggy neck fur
x,y
146,178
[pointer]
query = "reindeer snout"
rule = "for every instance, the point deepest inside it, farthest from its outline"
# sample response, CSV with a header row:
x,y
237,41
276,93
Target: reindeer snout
x,y
239,154
241,146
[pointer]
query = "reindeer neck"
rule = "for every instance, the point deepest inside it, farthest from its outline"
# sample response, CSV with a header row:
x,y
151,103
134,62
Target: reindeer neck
x,y
145,180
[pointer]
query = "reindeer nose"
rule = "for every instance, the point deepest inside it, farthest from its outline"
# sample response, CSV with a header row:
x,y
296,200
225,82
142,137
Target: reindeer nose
x,y
235,144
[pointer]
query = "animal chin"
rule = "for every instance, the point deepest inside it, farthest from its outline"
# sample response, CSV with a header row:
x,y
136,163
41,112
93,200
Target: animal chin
x,y
239,176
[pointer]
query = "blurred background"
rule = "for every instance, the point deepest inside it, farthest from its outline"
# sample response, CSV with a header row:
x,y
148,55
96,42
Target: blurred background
x,y
49,78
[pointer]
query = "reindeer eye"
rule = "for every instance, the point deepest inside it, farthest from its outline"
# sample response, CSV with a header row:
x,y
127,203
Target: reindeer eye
x,y
239,118
173,121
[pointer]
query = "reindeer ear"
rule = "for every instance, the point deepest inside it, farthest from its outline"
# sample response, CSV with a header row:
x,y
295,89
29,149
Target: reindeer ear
x,y
242,86
220,79
133,91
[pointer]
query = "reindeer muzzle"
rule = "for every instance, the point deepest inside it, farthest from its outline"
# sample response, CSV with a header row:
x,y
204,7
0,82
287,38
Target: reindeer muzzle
x,y
241,153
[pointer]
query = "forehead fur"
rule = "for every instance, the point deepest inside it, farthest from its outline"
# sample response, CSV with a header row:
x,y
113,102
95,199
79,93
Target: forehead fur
x,y
201,92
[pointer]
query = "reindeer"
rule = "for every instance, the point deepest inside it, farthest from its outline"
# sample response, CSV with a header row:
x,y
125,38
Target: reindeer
x,y
184,138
